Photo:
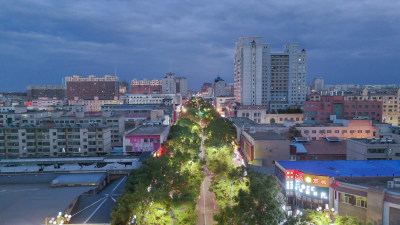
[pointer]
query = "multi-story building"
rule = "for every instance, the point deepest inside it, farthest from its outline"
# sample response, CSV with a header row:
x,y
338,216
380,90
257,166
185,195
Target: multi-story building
x,y
343,129
320,109
145,139
116,123
318,84
47,91
374,148
205,87
368,190
94,105
181,86
146,86
43,103
105,88
273,80
58,140
230,90
225,106
169,84
219,87
21,118
152,99
255,113
390,99
280,118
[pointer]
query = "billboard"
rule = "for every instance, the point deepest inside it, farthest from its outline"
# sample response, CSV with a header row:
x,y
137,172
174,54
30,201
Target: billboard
x,y
307,184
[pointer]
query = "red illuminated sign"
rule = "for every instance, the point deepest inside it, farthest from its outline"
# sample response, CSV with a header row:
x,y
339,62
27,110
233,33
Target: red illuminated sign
x,y
307,178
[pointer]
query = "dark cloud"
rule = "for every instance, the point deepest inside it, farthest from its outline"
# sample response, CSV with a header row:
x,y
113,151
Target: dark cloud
x,y
43,41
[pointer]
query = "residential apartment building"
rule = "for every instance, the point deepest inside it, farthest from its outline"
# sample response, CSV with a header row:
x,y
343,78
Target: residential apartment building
x,y
146,86
343,129
152,99
94,105
169,84
46,91
58,140
273,80
181,86
320,109
374,148
105,88
43,103
318,84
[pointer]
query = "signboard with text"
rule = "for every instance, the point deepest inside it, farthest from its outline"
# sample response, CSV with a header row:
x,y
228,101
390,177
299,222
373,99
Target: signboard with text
x,y
311,185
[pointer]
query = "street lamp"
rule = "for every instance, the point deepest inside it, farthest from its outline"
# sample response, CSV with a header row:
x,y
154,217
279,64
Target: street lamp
x,y
232,181
171,213
59,220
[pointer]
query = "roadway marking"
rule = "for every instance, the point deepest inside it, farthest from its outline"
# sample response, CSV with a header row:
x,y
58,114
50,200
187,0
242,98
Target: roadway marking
x,y
34,189
94,212
118,184
113,198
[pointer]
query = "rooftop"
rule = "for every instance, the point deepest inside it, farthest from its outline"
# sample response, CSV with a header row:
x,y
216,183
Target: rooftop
x,y
365,182
322,147
266,135
80,178
246,122
375,168
251,107
376,141
148,130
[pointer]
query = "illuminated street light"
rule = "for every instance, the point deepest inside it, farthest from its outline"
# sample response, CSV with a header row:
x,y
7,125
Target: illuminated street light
x,y
171,213
59,220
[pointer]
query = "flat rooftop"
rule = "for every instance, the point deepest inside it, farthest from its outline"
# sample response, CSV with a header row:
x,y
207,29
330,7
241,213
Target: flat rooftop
x,y
80,178
246,122
371,168
378,182
148,130
376,141
266,135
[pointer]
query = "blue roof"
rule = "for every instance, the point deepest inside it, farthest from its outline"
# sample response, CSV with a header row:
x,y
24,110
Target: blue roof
x,y
80,178
299,148
371,168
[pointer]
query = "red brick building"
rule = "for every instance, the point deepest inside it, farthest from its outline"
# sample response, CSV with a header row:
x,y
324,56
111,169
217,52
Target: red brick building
x,y
320,111
332,148
146,86
105,88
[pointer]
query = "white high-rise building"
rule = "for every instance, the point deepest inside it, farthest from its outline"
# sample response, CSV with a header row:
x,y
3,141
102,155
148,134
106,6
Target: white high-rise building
x,y
273,80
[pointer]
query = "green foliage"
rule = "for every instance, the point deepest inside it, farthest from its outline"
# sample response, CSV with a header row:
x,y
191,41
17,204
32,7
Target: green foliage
x,y
326,217
220,132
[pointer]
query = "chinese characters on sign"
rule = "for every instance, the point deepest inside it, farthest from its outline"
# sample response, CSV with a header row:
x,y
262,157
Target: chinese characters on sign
x,y
307,184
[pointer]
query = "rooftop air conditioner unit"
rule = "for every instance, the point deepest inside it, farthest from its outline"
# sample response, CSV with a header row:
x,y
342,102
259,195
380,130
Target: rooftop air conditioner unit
x,y
390,184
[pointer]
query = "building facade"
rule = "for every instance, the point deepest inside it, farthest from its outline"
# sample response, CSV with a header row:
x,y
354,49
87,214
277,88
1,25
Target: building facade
x,y
318,84
58,140
219,87
320,111
94,105
145,139
146,86
278,118
344,130
273,80
153,99
47,91
105,88
255,113
373,149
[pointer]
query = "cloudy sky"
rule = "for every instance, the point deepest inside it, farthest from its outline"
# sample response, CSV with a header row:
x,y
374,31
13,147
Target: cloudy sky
x,y
43,41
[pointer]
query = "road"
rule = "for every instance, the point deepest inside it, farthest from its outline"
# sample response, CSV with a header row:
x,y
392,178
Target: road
x,y
97,208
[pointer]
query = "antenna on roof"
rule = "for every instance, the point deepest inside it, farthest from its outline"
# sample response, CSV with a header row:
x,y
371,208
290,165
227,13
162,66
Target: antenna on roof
x,y
170,66
115,69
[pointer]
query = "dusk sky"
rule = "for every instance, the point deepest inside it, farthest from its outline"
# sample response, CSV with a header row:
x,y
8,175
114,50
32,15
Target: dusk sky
x,y
43,41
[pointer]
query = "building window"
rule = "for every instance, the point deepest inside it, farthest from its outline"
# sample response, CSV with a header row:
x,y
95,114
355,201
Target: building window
x,y
314,131
328,131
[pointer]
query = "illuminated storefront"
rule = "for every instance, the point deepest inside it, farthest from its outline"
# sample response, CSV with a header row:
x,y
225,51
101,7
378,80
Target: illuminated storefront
x,y
306,190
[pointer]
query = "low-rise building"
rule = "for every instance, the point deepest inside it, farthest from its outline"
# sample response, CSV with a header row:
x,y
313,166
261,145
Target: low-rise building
x,y
152,99
342,129
276,118
145,139
47,103
332,148
374,148
263,148
363,189
255,113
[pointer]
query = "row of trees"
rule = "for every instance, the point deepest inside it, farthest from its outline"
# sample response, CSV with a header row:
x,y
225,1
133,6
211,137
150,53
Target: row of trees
x,y
164,185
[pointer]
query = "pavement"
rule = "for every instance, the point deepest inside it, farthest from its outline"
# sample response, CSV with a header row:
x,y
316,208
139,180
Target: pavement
x,y
97,208
206,206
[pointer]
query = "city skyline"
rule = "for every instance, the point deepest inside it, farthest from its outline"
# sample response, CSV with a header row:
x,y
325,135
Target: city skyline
x,y
42,42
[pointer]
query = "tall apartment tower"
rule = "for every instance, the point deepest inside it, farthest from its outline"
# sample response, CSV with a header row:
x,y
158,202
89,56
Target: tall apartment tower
x,y
273,80
105,88
318,84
